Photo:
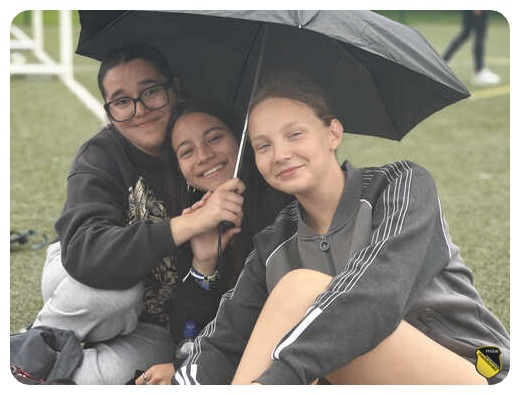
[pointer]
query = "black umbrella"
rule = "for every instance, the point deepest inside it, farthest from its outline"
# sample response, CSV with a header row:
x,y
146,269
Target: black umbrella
x,y
382,77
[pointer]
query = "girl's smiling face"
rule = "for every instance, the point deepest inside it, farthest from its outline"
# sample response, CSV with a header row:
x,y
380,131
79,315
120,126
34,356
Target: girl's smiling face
x,y
294,149
147,130
206,150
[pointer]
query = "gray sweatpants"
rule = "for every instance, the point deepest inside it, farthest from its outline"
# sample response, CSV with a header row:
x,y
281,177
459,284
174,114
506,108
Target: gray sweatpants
x,y
108,319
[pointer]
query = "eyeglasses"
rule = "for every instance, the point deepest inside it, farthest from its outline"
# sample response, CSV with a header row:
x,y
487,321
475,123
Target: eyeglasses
x,y
124,108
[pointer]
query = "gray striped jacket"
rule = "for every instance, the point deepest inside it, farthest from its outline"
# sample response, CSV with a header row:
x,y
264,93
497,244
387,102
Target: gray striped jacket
x,y
391,258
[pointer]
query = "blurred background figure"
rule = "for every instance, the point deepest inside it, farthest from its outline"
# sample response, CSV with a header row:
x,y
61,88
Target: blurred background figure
x,y
474,20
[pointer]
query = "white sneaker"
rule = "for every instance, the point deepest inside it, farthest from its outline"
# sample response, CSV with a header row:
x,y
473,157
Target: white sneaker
x,y
485,77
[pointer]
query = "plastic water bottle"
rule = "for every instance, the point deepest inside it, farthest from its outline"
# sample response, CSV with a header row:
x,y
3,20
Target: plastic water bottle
x,y
186,344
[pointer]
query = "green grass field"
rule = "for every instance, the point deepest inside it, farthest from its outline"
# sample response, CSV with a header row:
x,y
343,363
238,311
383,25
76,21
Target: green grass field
x,y
466,147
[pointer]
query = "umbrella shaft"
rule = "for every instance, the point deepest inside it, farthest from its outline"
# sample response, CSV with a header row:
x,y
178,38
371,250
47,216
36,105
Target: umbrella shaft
x,y
242,146
243,140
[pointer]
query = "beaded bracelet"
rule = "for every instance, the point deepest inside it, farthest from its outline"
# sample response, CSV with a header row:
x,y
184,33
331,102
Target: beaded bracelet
x,y
206,282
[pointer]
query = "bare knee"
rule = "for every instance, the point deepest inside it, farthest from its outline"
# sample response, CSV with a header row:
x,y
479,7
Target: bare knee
x,y
297,290
303,277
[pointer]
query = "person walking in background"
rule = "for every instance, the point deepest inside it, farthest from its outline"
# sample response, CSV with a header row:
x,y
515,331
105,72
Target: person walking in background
x,y
476,20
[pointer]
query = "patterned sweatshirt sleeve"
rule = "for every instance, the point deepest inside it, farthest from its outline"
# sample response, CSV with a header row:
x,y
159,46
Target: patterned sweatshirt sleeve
x,y
219,347
366,302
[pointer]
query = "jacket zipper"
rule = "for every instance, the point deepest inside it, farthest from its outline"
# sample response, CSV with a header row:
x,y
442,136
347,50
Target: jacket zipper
x,y
324,245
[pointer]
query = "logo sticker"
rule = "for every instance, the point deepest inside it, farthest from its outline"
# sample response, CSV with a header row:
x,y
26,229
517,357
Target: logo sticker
x,y
488,362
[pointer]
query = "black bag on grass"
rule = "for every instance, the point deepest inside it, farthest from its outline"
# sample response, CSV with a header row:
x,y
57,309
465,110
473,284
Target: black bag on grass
x,y
44,355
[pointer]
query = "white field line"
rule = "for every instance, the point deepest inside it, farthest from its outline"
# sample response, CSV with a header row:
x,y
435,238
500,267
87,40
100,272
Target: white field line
x,y
85,97
490,92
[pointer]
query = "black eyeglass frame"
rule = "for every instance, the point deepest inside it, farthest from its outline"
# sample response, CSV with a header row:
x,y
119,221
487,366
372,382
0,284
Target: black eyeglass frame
x,y
165,85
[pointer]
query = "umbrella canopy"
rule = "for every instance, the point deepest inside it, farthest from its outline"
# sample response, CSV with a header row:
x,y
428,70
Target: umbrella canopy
x,y
382,78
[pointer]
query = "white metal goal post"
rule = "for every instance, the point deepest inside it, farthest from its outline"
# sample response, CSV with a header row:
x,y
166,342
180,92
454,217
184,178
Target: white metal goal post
x,y
63,69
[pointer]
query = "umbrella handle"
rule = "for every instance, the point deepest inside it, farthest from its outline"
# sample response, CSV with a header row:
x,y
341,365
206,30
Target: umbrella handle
x,y
225,225
222,227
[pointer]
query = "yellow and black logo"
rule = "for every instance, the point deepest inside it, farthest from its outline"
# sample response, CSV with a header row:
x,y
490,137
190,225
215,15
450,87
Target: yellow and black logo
x,y
489,362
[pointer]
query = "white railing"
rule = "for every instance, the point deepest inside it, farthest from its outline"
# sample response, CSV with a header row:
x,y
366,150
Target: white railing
x,y
64,68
